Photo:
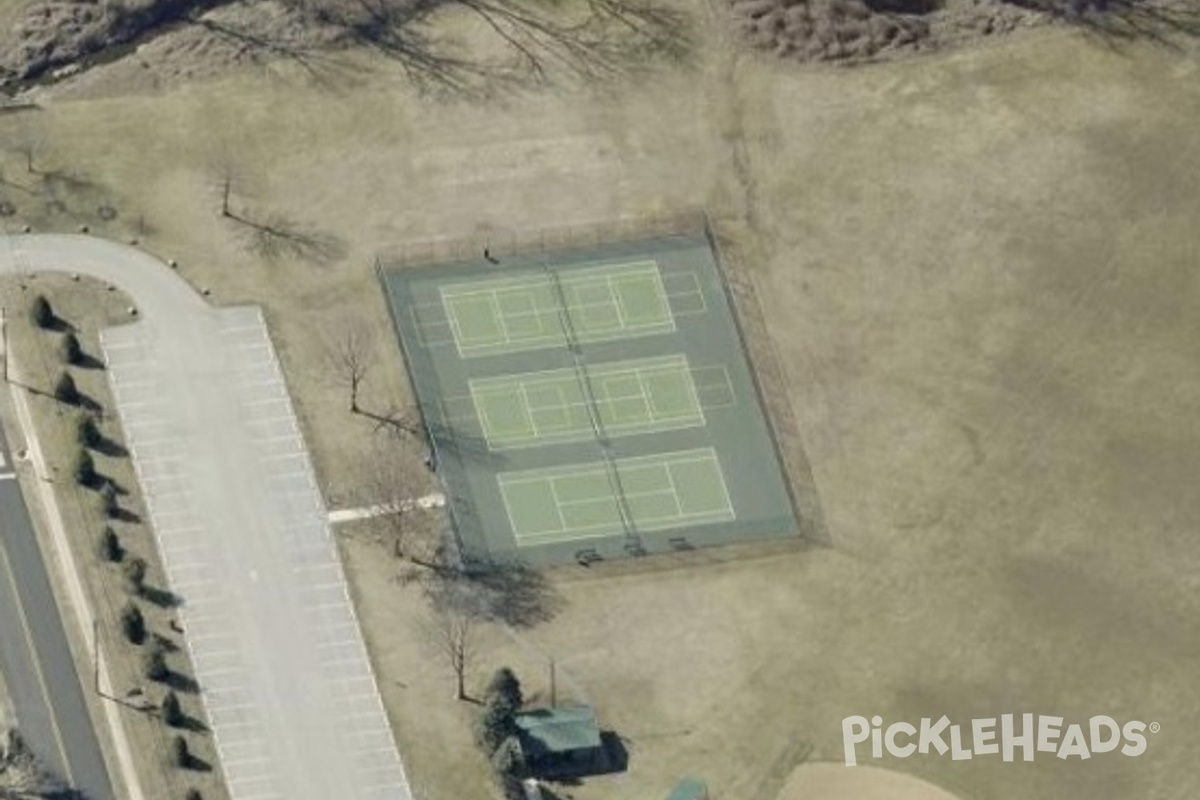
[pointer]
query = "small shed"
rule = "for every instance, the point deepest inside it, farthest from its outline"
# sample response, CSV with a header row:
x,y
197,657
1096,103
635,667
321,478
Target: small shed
x,y
560,739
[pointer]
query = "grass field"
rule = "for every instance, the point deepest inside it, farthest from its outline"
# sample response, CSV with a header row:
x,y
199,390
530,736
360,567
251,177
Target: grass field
x,y
979,274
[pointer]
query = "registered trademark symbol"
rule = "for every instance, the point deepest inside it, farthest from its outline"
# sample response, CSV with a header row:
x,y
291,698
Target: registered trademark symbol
x,y
1155,727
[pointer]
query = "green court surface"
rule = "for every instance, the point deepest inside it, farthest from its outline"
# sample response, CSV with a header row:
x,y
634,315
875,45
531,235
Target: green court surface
x,y
628,397
509,315
646,493
587,403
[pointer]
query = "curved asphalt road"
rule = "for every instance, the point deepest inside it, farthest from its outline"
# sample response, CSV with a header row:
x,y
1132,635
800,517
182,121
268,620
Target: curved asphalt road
x,y
47,696
243,532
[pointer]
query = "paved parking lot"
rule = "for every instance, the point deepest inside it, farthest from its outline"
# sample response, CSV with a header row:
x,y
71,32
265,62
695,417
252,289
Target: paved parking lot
x,y
245,538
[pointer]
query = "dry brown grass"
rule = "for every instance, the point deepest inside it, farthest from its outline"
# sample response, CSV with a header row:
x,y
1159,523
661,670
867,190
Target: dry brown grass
x,y
88,306
978,272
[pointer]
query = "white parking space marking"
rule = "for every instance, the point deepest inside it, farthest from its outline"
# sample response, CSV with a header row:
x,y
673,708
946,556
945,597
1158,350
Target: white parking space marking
x,y
268,621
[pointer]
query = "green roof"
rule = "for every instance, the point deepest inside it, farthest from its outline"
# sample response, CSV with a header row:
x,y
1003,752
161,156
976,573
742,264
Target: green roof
x,y
689,789
558,730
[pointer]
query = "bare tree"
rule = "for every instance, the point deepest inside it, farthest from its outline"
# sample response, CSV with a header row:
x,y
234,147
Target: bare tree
x,y
351,354
390,478
30,142
227,169
451,632
228,177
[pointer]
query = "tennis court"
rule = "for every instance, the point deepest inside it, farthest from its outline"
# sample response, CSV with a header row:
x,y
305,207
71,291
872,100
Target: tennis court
x,y
622,398
589,403
649,493
509,315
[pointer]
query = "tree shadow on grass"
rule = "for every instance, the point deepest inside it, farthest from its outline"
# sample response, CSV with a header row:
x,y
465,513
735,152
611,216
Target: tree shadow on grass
x,y
167,644
278,237
193,724
614,38
125,515
593,39
82,401
163,598
58,325
184,684
87,361
113,449
513,593
197,764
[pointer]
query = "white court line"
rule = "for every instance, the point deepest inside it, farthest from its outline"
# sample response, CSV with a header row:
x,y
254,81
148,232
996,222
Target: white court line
x,y
525,410
603,369
532,284
693,456
616,297
674,491
728,510
494,300
558,509
530,281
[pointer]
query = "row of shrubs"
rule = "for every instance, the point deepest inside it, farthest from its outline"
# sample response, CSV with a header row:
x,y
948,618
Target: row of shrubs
x,y
133,622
